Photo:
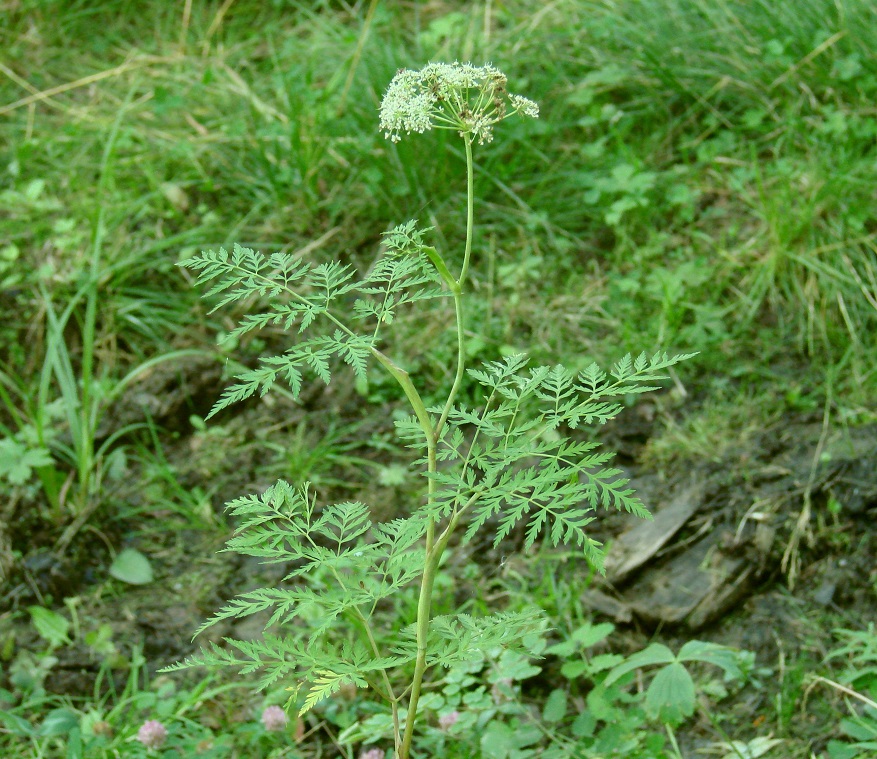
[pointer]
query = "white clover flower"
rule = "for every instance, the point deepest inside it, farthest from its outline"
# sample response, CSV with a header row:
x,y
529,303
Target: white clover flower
x,y
460,96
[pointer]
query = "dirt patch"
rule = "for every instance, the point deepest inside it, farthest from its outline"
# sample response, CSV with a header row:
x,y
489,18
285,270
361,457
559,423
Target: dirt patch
x,y
717,537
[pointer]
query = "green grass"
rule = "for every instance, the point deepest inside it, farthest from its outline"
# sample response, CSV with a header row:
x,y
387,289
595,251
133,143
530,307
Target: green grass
x,y
701,178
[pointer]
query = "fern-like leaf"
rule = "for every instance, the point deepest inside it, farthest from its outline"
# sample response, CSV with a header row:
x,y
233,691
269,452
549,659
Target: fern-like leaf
x,y
463,638
325,684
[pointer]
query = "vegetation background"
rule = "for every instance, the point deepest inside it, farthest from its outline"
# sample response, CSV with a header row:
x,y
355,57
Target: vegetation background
x,y
701,179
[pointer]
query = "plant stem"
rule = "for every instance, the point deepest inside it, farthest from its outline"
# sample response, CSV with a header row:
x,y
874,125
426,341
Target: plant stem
x,y
404,380
458,290
434,550
425,602
391,696
470,209
672,736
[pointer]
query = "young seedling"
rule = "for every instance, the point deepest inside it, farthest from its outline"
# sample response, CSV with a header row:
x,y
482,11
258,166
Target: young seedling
x,y
509,459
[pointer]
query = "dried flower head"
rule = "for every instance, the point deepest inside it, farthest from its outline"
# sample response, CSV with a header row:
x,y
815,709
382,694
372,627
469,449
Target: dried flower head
x,y
460,96
274,718
152,734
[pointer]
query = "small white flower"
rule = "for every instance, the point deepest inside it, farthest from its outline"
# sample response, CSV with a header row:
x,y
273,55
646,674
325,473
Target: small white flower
x,y
460,96
525,106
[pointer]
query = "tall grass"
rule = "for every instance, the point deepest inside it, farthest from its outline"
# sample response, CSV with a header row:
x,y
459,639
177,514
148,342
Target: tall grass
x,y
713,162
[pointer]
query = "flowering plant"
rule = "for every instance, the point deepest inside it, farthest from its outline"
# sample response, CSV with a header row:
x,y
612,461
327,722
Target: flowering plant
x,y
152,734
510,460
457,96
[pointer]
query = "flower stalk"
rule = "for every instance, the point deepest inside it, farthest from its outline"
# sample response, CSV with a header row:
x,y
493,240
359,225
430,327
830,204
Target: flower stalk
x,y
469,100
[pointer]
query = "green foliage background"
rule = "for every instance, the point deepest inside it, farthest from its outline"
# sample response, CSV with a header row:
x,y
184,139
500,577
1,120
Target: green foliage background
x,y
701,179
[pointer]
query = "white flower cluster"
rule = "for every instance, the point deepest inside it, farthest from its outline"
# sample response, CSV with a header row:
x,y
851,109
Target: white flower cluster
x,y
470,99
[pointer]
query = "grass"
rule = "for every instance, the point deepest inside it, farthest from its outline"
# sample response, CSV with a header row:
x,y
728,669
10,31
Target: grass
x,y
701,178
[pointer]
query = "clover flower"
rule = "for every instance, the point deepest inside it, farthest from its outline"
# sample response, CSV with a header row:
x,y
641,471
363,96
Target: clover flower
x,y
373,753
460,96
274,718
449,719
152,734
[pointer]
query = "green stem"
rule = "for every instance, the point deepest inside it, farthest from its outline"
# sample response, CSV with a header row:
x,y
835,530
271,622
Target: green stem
x,y
391,696
672,736
439,263
458,290
434,550
461,366
423,618
470,209
425,601
404,380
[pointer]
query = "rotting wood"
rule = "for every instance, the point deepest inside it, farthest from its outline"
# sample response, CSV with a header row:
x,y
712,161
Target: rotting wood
x,y
638,545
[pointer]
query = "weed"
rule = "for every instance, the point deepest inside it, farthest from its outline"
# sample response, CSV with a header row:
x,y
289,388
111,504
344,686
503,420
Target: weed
x,y
701,177
858,686
506,462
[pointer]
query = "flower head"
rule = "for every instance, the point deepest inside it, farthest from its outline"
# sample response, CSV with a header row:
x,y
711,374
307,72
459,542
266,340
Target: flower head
x,y
274,718
460,96
373,753
152,734
449,719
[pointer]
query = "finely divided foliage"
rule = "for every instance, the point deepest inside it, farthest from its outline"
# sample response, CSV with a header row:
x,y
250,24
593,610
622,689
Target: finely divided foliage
x,y
323,296
510,460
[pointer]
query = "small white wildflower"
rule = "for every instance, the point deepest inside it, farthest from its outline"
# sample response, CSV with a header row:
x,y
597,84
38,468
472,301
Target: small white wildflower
x,y
525,106
469,99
